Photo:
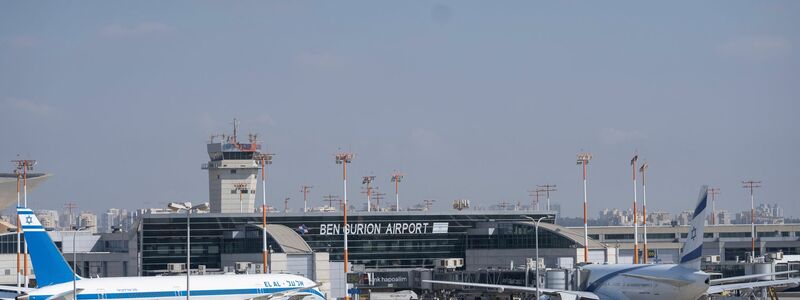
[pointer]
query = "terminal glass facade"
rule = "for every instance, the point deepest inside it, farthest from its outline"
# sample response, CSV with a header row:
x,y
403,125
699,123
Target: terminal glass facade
x,y
376,240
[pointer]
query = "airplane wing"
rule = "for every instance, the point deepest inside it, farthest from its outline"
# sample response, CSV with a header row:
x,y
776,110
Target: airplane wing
x,y
716,289
564,294
286,293
747,277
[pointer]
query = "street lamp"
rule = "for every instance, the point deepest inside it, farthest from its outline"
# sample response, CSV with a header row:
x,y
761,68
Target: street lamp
x,y
536,230
187,206
75,229
583,159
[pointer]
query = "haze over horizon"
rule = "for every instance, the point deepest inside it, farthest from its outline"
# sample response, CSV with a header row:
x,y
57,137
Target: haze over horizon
x,y
469,100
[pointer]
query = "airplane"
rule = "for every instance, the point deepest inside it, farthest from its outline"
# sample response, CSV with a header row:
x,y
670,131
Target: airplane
x,y
55,279
684,280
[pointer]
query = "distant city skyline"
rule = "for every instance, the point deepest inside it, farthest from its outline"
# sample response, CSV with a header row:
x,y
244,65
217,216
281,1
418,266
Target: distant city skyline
x,y
469,100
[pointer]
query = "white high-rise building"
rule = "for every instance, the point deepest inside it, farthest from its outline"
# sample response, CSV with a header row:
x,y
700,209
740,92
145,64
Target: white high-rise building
x,y
48,218
232,173
115,219
88,220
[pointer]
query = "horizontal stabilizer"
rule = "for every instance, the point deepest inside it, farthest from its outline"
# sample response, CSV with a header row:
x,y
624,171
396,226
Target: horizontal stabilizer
x,y
670,281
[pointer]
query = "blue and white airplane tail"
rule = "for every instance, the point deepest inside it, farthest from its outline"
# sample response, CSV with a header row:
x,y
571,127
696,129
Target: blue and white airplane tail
x,y
48,263
693,246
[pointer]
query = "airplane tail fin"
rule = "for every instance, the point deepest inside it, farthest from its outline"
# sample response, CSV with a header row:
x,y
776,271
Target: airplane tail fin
x,y
693,245
48,263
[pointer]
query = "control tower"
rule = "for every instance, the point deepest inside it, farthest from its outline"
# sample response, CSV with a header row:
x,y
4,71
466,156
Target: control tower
x,y
232,173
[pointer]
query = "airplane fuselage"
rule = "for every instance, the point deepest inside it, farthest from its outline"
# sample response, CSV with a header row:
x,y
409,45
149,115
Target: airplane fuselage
x,y
656,282
232,287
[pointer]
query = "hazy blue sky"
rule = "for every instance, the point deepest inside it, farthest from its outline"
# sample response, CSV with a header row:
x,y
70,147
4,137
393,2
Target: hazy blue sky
x,y
476,100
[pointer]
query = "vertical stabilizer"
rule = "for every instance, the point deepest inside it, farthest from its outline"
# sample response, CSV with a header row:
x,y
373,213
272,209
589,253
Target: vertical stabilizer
x,y
48,263
693,245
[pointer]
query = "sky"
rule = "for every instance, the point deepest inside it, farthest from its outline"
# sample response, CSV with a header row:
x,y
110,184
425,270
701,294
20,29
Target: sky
x,y
470,99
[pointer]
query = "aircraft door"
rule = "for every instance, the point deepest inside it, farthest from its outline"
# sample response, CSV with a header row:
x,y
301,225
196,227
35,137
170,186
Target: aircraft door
x,y
101,293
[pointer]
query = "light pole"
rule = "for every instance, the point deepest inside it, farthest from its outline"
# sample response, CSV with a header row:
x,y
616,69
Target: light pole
x,y
177,207
643,170
396,178
19,236
536,232
265,159
635,215
75,229
23,166
343,158
583,160
752,184
368,181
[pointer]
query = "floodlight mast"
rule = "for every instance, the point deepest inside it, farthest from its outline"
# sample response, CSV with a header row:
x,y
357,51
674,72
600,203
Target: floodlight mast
x,y
19,235
713,192
643,170
265,159
635,215
752,184
343,158
368,181
396,178
23,166
583,160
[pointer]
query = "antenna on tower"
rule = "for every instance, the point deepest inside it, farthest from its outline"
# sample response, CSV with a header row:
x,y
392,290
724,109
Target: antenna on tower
x,y
235,130
535,197
378,197
428,203
330,199
547,188
305,189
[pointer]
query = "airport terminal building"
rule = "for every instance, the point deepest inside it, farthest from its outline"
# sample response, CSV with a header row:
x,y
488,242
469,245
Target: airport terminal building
x,y
377,240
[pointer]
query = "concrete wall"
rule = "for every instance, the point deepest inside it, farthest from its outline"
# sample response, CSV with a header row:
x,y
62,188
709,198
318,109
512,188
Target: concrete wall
x,y
8,269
